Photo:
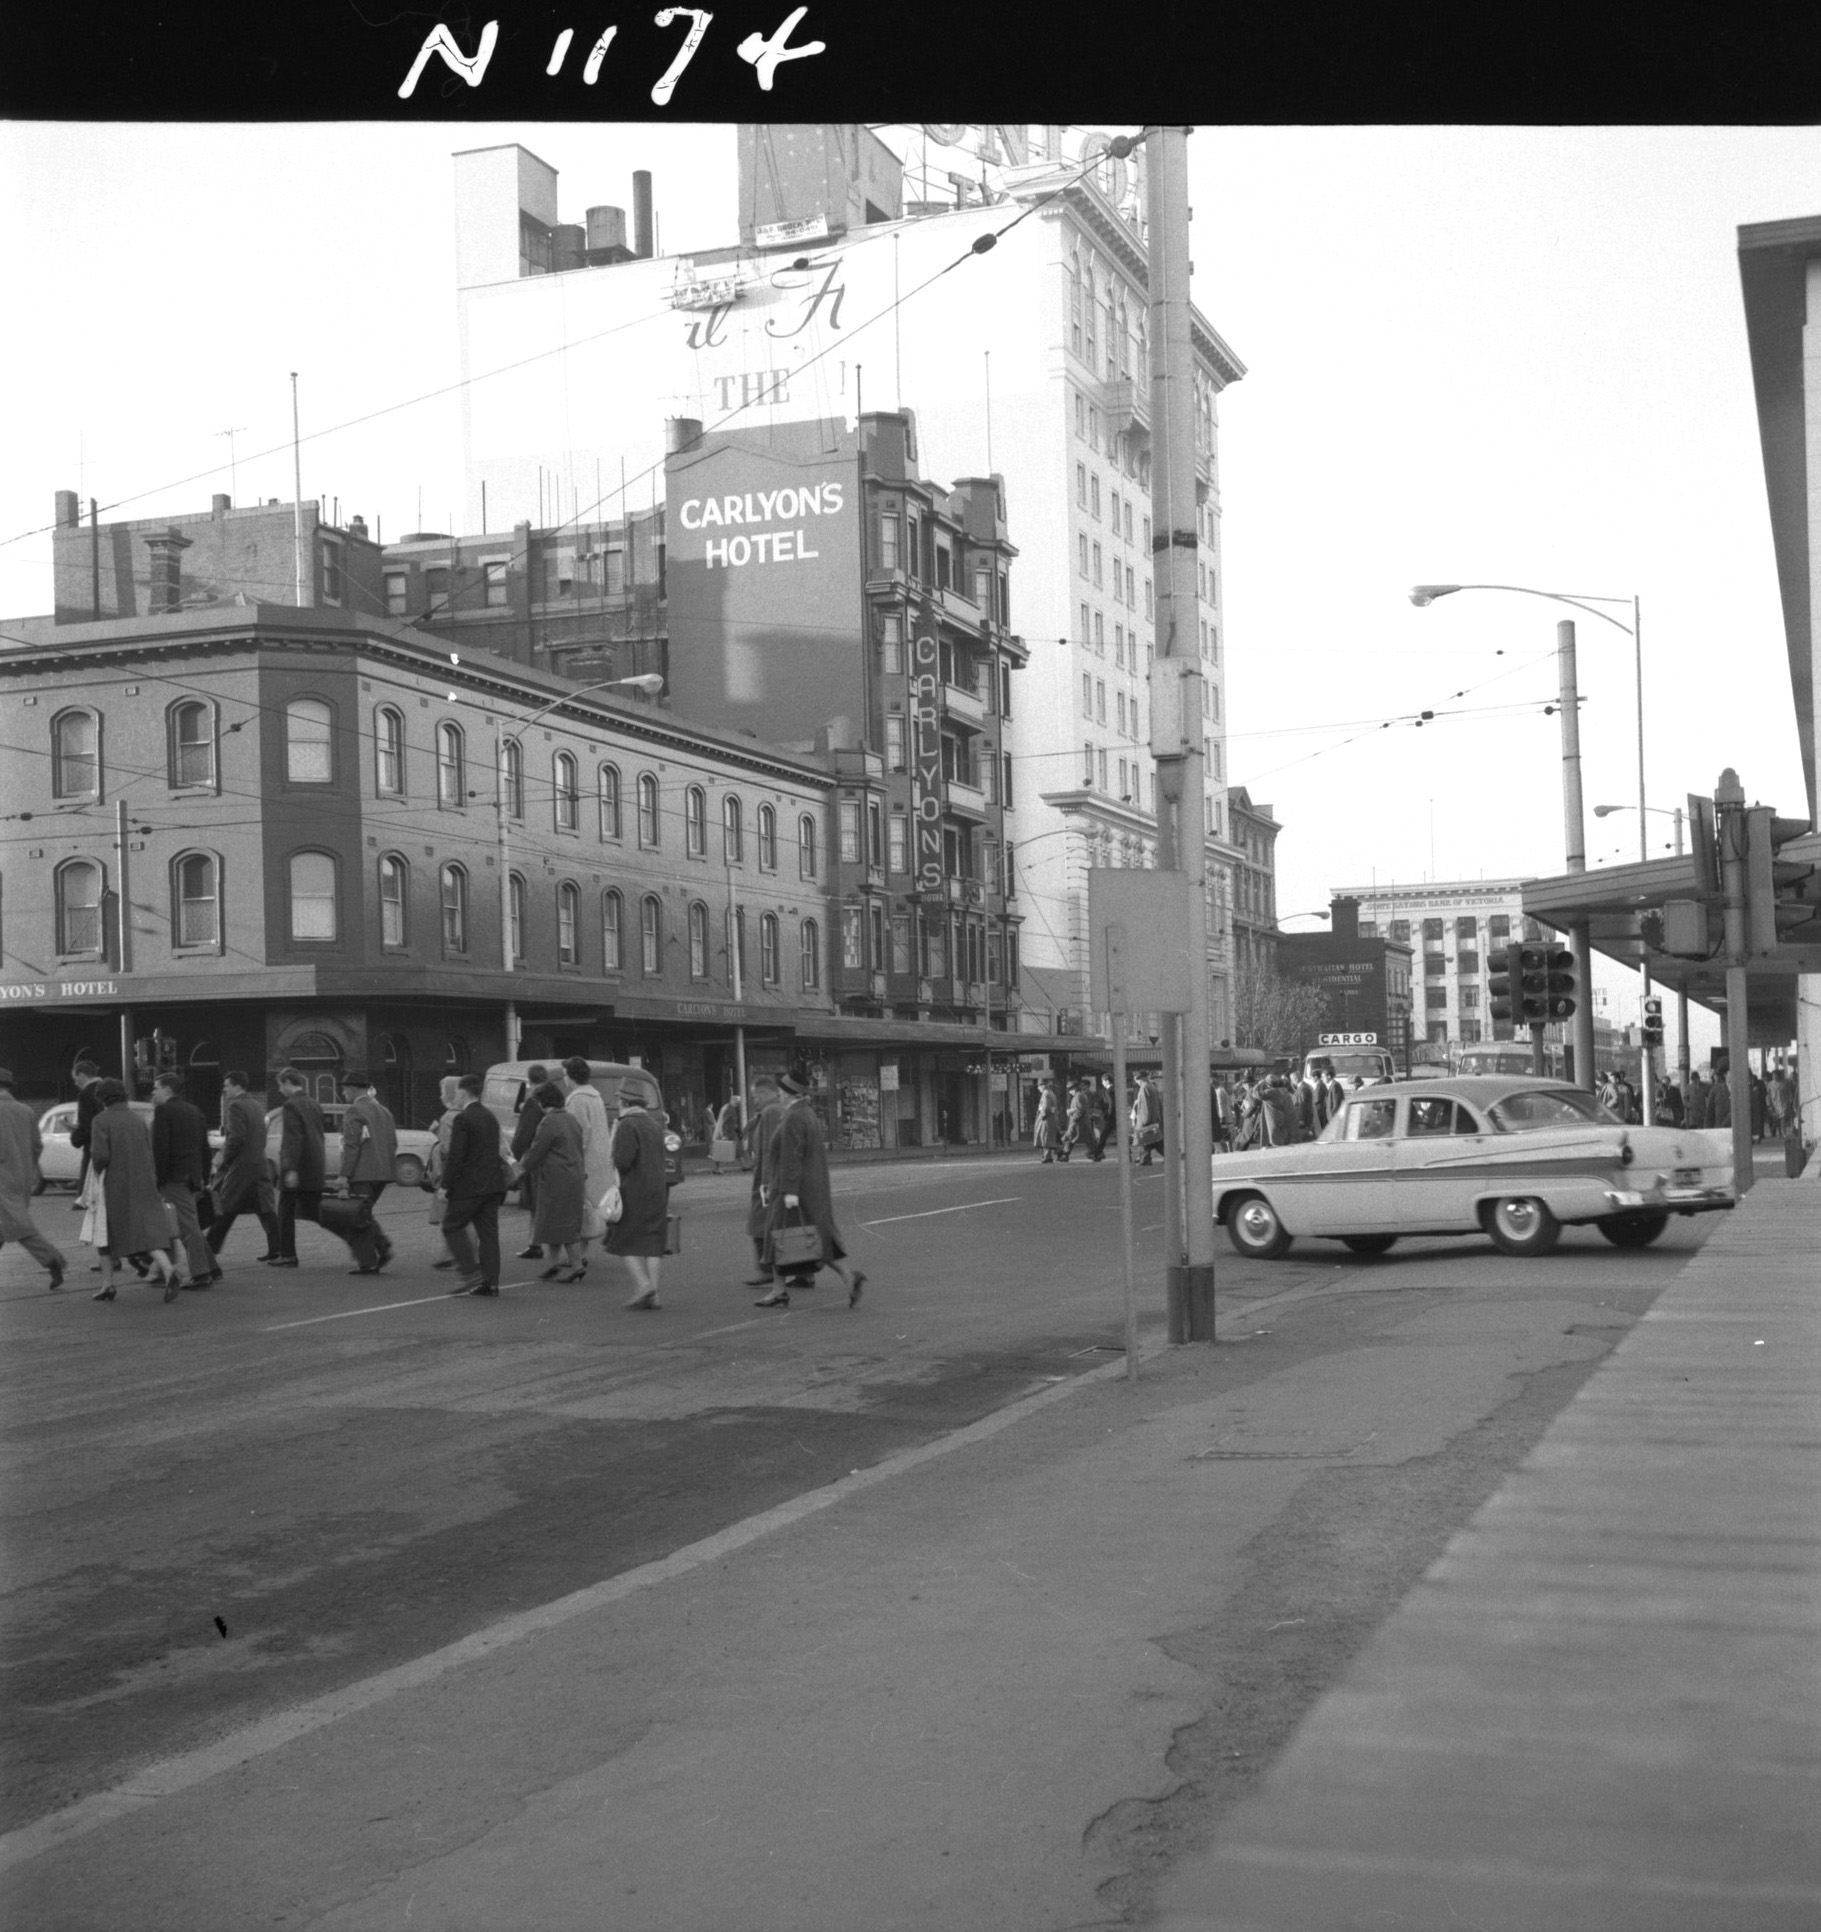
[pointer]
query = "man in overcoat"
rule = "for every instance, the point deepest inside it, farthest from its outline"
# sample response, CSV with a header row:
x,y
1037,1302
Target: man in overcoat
x,y
243,1182
474,1183
301,1164
369,1158
800,1190
180,1165
20,1145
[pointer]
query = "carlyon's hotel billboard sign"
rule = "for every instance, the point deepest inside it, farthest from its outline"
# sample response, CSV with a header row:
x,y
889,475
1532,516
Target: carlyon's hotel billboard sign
x,y
763,572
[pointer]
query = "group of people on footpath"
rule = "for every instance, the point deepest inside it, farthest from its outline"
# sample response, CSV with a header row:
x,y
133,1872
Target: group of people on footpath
x,y
1085,1119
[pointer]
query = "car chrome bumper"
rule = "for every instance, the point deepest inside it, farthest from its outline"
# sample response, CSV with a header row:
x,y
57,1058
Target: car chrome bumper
x,y
1628,1200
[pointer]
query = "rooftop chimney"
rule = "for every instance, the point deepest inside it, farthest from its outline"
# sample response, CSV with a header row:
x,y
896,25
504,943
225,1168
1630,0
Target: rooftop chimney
x,y
357,527
1345,913
641,214
69,511
220,505
167,550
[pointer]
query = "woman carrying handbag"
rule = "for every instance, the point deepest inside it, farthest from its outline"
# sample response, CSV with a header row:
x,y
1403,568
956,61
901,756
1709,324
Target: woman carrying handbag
x,y
638,1235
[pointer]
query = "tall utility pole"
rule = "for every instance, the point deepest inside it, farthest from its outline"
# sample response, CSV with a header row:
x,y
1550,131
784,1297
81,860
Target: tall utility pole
x,y
297,493
1729,807
1176,738
1574,839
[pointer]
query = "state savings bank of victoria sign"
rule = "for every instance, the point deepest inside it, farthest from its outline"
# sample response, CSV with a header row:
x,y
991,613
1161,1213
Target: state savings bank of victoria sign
x,y
762,526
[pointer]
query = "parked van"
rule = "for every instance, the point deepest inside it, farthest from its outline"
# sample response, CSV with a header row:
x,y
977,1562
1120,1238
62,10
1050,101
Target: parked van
x,y
507,1088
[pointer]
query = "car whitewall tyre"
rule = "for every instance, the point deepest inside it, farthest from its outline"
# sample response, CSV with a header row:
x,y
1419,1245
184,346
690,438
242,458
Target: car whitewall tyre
x,y
1521,1224
1254,1229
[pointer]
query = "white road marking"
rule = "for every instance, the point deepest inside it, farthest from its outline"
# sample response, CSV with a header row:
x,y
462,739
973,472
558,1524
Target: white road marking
x,y
998,1201
379,1308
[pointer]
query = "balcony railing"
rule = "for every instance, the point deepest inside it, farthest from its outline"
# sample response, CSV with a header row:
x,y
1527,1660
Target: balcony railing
x,y
958,796
1128,405
963,705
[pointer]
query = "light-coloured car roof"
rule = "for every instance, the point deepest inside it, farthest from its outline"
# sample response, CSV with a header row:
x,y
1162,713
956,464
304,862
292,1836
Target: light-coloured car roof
x,y
1484,1088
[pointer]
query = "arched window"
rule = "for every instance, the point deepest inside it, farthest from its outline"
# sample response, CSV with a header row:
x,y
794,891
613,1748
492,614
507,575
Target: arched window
x,y
613,928
768,839
515,917
733,831
456,1055
568,923
648,809
451,767
806,847
651,936
196,900
566,787
79,888
313,896
389,751
698,940
309,742
610,801
394,900
768,948
452,884
695,822
192,745
76,755
512,777
812,956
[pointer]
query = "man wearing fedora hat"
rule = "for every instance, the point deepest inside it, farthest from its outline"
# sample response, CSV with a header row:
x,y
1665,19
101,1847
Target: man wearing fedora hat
x,y
797,1176
20,1146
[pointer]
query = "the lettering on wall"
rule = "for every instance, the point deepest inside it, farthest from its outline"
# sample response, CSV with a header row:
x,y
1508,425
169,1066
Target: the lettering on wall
x,y
926,762
64,989
755,507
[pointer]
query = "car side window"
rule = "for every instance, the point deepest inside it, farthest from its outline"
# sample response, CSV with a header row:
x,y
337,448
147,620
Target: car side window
x,y
1431,1115
1370,1120
1464,1122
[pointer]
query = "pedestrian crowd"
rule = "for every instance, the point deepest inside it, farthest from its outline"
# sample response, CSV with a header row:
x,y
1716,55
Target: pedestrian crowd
x,y
155,1195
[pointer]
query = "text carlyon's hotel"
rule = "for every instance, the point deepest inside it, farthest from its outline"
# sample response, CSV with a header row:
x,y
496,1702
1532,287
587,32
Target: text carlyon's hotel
x,y
1051,319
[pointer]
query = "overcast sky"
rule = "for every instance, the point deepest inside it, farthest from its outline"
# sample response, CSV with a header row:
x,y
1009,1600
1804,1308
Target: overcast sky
x,y
1502,355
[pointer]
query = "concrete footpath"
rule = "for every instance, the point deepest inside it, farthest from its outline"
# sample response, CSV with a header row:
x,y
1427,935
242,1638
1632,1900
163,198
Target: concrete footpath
x,y
1601,1710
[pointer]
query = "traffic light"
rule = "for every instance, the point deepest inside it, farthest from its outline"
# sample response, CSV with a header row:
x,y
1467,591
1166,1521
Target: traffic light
x,y
1560,987
1779,894
1520,985
1504,996
1653,1020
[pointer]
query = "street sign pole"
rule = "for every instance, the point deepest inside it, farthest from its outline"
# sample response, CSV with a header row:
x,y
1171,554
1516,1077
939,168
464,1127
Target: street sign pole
x,y
1116,985
1729,802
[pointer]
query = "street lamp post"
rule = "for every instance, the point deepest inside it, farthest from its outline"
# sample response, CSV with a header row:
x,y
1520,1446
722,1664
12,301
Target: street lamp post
x,y
648,681
1683,1055
1579,934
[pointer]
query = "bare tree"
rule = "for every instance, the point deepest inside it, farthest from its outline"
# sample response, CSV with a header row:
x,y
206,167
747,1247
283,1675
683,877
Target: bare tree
x,y
1275,1014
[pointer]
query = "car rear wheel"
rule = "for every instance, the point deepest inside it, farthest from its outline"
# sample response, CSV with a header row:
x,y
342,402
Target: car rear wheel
x,y
1521,1224
408,1171
1254,1229
1369,1243
1637,1230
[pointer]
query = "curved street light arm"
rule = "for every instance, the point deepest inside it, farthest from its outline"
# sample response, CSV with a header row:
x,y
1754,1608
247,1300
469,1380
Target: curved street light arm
x,y
1582,600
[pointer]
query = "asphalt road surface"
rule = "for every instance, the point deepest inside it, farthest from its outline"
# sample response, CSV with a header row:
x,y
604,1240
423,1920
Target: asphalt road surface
x,y
225,1506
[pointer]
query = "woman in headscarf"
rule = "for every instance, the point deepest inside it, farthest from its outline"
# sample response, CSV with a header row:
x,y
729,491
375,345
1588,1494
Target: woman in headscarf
x,y
638,1162
120,1150
554,1162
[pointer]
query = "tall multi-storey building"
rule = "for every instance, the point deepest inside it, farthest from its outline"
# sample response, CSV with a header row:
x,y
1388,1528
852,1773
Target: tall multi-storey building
x,y
1013,317
1252,832
1455,926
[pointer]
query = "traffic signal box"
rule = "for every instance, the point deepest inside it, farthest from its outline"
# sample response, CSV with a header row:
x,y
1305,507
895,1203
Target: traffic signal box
x,y
1653,1020
1779,895
1524,985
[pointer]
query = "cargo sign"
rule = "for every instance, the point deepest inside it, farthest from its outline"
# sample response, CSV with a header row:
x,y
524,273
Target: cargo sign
x,y
1346,1039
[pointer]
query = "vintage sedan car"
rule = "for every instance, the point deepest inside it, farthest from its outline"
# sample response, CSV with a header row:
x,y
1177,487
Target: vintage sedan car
x,y
1514,1159
60,1165
409,1163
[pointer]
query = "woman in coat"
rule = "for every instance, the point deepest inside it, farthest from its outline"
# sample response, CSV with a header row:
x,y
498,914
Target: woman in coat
x,y
1046,1132
451,1096
638,1162
553,1163
120,1150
